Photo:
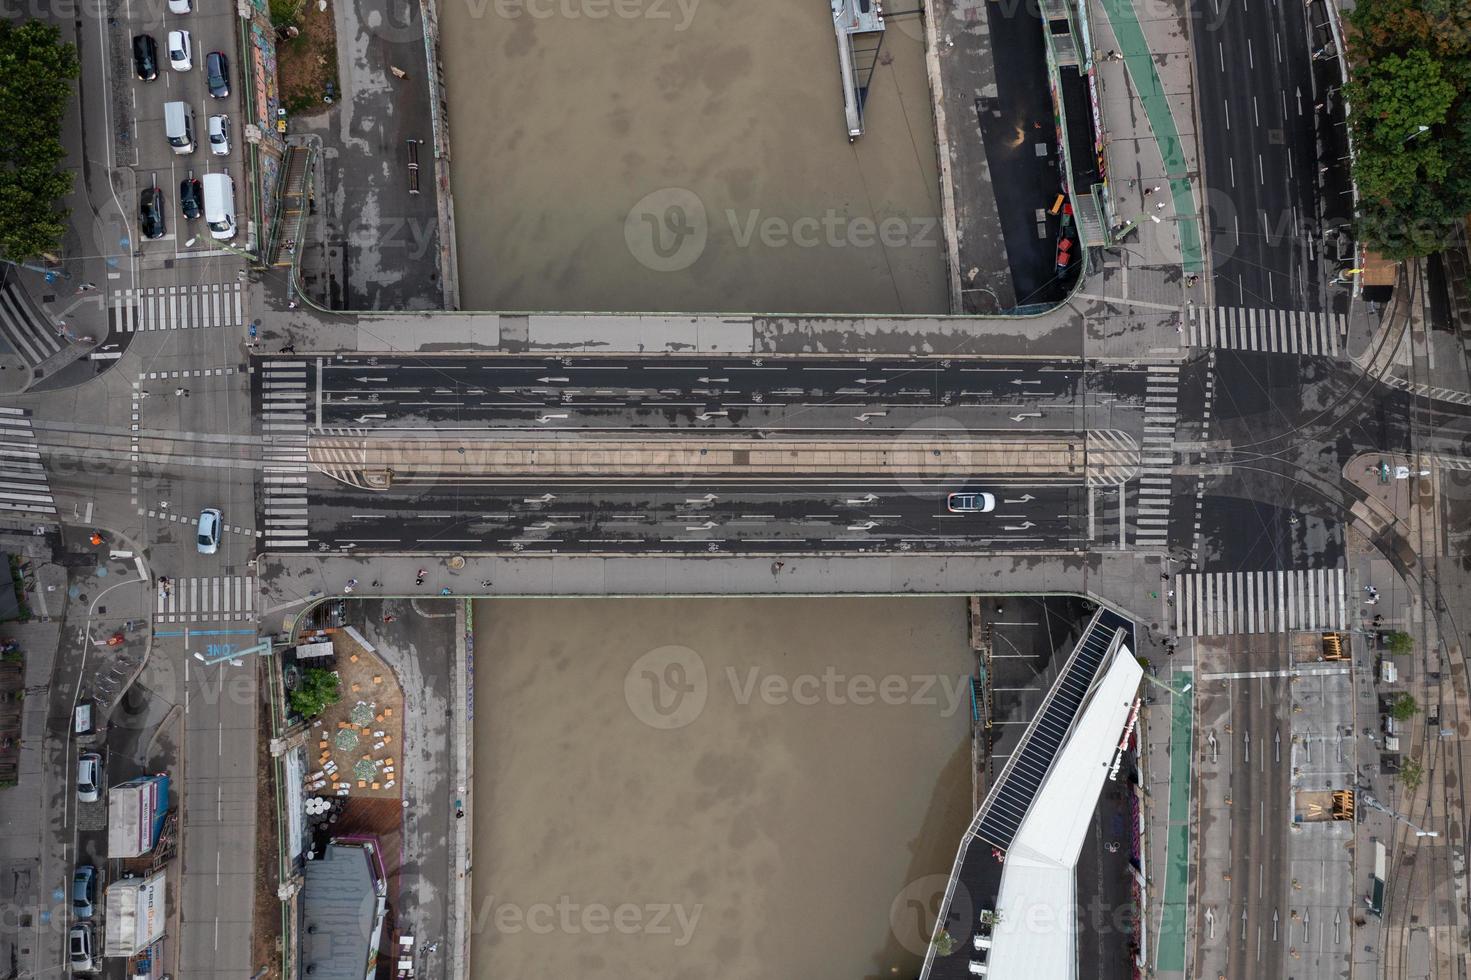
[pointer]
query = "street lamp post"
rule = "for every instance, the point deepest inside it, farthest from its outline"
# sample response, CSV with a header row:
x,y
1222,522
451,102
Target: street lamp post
x,y
1419,131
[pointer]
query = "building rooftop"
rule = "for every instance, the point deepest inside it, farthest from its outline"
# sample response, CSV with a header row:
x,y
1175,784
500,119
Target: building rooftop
x,y
342,912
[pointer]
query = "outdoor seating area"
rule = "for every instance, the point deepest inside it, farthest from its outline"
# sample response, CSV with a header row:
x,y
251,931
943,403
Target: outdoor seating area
x,y
354,746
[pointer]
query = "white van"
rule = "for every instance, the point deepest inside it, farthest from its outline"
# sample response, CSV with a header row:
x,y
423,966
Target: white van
x,y
219,205
178,125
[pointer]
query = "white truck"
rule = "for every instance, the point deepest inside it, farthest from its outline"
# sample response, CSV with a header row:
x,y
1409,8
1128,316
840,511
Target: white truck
x,y
135,915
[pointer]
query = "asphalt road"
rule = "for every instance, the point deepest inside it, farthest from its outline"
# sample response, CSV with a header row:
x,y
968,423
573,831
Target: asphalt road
x,y
1260,743
811,396
1260,123
808,393
827,517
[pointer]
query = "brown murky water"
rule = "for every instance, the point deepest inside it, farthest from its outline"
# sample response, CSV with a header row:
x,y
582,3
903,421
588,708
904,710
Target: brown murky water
x,y
685,155
715,788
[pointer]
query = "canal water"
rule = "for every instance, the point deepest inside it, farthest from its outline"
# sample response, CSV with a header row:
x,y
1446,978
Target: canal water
x,y
686,155
721,788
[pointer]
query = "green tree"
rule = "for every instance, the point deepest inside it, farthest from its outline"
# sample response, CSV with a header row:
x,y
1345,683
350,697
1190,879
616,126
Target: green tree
x,y
318,688
1404,707
36,74
1411,68
1411,774
1399,642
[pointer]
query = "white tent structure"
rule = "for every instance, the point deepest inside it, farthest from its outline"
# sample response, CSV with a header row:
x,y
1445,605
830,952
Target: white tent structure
x,y
1035,936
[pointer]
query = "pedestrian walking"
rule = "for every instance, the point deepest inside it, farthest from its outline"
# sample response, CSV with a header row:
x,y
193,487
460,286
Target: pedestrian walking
x,y
143,394
389,617
1160,206
86,287
288,348
419,578
1150,190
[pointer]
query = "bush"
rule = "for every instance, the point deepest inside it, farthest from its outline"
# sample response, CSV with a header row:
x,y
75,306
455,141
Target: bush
x,y
1404,707
283,13
317,690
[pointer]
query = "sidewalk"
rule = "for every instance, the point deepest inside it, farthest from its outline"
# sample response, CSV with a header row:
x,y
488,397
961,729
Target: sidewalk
x,y
374,245
1158,149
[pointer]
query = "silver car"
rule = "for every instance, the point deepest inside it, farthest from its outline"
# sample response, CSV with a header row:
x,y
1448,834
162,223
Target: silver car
x,y
89,777
80,947
970,502
208,532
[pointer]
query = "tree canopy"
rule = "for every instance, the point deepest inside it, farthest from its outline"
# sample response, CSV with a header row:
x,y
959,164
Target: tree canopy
x,y
1410,116
318,688
1399,642
1404,706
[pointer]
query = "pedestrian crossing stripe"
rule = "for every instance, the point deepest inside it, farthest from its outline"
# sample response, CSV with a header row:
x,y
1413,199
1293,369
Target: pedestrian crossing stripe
x,y
1230,603
222,598
1274,331
24,488
1430,391
179,307
33,336
1161,394
284,396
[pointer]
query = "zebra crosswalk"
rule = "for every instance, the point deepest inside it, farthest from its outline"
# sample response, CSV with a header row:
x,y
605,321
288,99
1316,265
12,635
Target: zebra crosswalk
x,y
30,333
284,397
221,598
1429,391
24,488
1275,331
1161,394
219,304
1225,603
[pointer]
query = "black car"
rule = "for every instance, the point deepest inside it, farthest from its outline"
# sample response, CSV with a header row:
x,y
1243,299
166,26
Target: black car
x,y
217,74
150,212
191,197
145,57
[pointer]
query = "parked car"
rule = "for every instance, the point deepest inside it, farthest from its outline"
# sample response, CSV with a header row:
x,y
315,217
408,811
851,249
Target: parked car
x,y
219,135
89,777
145,57
181,51
80,944
217,73
210,521
191,197
150,212
180,6
84,891
970,502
